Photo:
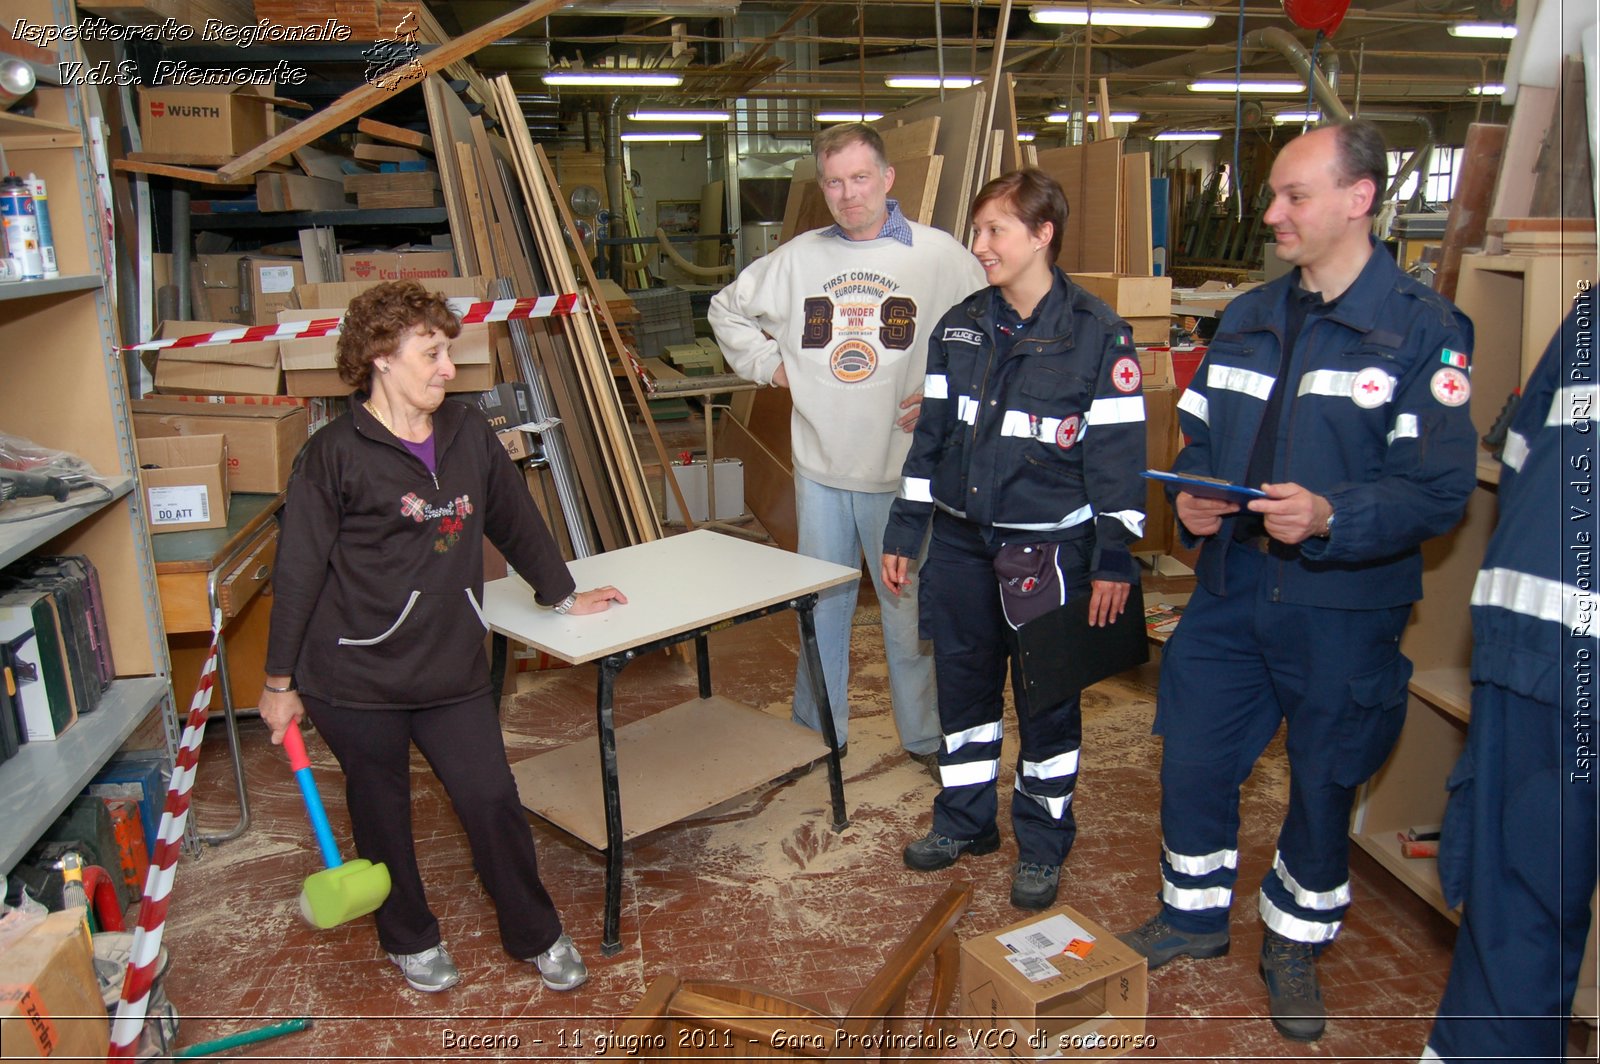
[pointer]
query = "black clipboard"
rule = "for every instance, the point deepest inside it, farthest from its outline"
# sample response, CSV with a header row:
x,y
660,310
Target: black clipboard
x,y
1061,653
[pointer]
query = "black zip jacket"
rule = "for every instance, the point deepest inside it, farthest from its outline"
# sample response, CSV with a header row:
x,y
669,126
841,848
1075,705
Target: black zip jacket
x,y
379,572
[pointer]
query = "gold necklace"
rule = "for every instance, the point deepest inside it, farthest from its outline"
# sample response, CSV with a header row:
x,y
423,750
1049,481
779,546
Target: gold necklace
x,y
381,419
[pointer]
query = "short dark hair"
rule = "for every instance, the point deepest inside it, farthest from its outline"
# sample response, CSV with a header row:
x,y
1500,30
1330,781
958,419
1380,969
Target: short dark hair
x,y
837,138
1033,196
378,321
1361,154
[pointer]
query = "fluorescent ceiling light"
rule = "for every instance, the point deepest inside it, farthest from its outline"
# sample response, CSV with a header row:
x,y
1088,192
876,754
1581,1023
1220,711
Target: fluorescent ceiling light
x,y
1188,134
1488,90
930,81
1280,88
849,116
663,138
1122,16
611,77
1287,118
1116,116
1492,30
1026,138
681,116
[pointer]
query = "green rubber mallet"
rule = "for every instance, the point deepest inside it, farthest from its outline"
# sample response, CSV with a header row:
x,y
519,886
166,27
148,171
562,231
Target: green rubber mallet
x,y
345,889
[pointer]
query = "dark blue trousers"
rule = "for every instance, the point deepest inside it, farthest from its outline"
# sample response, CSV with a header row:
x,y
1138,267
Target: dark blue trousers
x,y
1236,667
1519,844
960,604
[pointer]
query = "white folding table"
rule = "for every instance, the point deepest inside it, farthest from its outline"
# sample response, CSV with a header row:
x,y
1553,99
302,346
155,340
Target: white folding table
x,y
686,759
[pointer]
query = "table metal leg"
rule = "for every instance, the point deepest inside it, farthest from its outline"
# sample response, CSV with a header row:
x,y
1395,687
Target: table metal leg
x,y
611,937
813,661
702,661
224,686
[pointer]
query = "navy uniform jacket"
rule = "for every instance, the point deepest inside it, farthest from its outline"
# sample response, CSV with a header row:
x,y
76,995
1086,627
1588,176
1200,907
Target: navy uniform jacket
x,y
1535,592
1379,425
1044,445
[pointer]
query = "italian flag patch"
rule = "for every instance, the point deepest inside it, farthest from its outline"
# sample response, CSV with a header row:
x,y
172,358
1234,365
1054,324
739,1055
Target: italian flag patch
x,y
1458,359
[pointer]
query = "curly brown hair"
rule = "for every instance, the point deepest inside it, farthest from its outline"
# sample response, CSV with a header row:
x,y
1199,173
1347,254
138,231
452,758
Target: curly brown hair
x,y
378,321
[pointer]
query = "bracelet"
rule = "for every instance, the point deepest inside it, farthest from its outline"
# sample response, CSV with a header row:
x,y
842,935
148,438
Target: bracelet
x,y
1327,526
567,603
279,690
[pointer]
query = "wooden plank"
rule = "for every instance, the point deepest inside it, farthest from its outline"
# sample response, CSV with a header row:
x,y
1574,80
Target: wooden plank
x,y
915,140
421,180
386,153
916,185
447,118
1530,123
509,253
398,135
181,173
1005,120
1469,209
1138,250
768,483
1089,176
960,115
472,199
318,163
358,101
708,253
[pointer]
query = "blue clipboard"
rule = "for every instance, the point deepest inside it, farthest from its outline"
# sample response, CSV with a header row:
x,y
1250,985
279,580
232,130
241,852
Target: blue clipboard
x,y
1206,487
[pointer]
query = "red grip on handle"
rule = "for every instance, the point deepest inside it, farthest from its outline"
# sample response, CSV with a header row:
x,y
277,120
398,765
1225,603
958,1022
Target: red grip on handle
x,y
295,747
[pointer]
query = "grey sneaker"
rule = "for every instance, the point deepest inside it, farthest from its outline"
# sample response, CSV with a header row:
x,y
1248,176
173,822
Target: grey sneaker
x,y
935,851
1033,886
1158,942
430,971
1289,969
560,966
929,761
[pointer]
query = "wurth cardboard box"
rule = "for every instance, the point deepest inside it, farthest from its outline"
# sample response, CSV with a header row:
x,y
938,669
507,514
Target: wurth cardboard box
x,y
1057,986
199,122
50,1004
400,264
262,440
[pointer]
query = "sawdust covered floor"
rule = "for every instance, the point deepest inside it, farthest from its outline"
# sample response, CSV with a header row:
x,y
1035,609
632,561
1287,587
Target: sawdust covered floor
x,y
757,890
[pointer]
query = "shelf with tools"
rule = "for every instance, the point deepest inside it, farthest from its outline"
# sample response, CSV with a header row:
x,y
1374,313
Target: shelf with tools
x,y
65,391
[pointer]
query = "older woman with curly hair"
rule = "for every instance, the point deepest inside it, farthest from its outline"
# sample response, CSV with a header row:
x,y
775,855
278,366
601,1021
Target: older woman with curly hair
x,y
376,632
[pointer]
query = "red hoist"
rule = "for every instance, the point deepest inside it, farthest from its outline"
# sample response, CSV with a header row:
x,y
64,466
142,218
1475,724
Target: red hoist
x,y
1323,16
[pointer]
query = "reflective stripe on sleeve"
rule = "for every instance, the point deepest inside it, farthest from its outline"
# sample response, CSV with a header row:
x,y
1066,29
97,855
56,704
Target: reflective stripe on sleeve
x,y
916,489
1195,404
1132,520
935,386
1328,382
1516,450
1122,410
1245,381
1570,405
1405,428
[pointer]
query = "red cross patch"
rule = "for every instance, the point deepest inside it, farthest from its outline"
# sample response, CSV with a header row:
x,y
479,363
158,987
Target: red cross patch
x,y
1068,431
1372,388
1450,386
1126,375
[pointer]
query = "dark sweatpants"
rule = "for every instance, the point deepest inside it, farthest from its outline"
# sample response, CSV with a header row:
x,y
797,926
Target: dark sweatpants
x,y
462,742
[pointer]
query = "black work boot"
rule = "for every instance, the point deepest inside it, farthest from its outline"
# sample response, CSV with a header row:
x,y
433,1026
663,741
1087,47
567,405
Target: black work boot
x,y
1289,969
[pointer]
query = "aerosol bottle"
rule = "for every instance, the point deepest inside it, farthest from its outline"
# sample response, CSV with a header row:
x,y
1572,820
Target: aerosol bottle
x,y
41,210
22,227
8,269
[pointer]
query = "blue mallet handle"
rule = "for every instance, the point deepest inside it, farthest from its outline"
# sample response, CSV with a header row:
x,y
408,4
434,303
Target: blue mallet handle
x,y
296,747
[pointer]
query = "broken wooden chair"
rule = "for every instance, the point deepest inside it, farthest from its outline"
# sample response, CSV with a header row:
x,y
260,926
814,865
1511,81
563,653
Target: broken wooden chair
x,y
704,1019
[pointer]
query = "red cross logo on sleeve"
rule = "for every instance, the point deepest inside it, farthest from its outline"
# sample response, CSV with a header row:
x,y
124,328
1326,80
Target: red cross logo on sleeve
x,y
1450,386
1126,375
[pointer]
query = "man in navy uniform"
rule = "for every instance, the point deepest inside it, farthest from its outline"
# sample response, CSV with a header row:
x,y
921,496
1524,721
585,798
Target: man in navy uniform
x,y
1341,390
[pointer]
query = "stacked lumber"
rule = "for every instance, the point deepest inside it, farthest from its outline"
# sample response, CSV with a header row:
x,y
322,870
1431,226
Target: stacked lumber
x,y
413,188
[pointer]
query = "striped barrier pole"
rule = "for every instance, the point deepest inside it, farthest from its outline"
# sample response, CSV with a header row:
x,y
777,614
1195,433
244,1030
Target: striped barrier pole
x,y
141,973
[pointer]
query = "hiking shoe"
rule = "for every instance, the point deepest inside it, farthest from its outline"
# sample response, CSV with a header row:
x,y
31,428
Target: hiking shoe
x,y
929,761
430,971
935,851
560,966
1158,942
1289,969
1033,886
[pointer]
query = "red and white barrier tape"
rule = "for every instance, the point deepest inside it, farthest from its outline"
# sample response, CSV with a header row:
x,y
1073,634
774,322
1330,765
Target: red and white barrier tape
x,y
470,312
141,973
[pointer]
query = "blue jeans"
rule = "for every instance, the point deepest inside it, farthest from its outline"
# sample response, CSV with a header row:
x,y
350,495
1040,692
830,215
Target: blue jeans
x,y
840,526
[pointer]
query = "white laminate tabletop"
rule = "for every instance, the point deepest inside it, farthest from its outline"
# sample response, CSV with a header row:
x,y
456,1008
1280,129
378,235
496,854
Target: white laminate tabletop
x,y
673,585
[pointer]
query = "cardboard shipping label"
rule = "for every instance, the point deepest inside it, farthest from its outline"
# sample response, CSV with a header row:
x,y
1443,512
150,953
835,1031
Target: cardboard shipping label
x,y
180,505
276,278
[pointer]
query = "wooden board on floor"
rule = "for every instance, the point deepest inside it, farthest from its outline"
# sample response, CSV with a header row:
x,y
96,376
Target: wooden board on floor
x,y
667,770
768,483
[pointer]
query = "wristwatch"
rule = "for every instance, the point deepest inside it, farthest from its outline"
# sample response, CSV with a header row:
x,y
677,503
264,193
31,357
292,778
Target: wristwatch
x,y
1327,526
280,690
567,603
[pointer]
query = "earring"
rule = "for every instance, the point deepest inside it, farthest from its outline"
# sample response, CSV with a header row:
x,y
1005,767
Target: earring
x,y
383,369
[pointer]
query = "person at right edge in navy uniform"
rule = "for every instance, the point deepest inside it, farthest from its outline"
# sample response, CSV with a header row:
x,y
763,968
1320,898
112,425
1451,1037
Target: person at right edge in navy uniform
x,y
1518,845
1341,390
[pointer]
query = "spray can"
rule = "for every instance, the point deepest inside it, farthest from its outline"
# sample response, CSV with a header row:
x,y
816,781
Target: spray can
x,y
8,269
41,210
22,228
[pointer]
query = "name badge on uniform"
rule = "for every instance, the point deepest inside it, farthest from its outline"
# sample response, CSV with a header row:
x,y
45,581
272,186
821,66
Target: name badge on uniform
x,y
965,336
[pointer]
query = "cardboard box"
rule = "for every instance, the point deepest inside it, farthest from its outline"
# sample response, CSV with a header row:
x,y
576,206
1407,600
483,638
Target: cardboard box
x,y
266,286
1155,365
401,264
193,123
50,1004
508,405
1129,295
238,369
1156,329
262,440
340,293
219,287
319,411
183,481
1085,1000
